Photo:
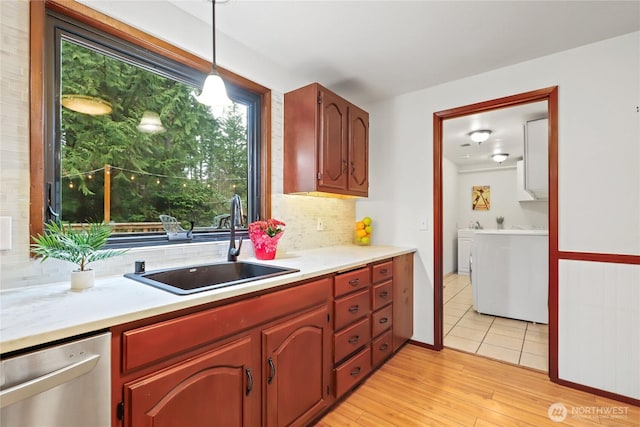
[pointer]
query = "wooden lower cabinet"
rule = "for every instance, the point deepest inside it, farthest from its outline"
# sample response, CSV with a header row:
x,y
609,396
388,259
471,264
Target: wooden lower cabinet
x,y
216,388
402,300
297,364
279,358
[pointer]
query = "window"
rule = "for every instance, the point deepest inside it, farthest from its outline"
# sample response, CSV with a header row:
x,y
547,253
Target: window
x,y
100,160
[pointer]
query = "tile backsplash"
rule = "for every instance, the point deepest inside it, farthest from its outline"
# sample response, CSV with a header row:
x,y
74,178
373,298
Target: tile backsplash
x,y
17,269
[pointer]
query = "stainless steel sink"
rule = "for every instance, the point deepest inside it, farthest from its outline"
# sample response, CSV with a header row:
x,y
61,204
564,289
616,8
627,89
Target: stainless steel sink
x,y
200,278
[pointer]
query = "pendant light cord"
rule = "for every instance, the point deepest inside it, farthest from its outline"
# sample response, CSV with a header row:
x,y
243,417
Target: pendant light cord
x,y
213,31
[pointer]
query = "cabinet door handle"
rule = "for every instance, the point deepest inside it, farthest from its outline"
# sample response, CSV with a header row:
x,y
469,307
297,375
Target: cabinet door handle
x,y
249,381
383,320
354,308
354,282
384,271
272,375
356,371
354,339
345,167
384,294
384,346
353,168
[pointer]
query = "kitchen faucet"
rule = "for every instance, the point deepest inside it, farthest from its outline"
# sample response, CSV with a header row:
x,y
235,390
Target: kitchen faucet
x,y
236,217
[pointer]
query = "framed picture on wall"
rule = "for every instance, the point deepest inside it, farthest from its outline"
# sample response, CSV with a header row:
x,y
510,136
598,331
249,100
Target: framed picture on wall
x,y
481,197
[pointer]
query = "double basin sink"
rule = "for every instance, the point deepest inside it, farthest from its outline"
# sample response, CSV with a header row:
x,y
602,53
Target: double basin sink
x,y
200,278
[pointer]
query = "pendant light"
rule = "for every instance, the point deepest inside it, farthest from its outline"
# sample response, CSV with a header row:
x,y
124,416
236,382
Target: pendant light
x,y
214,93
499,157
150,123
90,105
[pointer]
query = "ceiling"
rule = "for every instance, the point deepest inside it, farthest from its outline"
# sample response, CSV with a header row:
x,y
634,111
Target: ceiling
x,y
372,50
507,135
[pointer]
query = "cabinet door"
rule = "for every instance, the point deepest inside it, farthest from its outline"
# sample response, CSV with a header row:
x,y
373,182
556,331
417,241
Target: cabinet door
x,y
358,181
402,299
332,158
464,252
297,366
217,388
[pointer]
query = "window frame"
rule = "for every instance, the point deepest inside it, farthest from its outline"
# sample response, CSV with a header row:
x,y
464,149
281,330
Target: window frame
x,y
40,113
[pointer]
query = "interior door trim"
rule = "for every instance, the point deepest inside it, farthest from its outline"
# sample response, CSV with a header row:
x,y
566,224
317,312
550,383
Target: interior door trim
x,y
550,95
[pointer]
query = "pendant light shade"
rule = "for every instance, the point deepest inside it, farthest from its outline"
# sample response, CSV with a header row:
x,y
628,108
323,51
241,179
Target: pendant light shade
x,y
150,123
214,92
86,104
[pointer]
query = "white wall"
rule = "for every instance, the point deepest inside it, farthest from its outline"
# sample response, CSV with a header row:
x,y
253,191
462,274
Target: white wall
x,y
504,202
451,224
599,195
17,269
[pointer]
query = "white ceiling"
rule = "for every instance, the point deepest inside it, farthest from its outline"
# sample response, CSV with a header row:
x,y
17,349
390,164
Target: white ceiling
x,y
372,50
507,135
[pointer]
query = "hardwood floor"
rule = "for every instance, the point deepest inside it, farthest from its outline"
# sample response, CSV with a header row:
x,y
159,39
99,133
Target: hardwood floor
x,y
421,387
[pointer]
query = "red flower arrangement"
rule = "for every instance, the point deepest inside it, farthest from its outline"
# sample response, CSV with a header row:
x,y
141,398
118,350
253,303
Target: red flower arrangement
x,y
265,235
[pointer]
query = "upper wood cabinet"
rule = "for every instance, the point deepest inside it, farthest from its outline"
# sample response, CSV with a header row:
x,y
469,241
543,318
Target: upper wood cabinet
x,y
326,143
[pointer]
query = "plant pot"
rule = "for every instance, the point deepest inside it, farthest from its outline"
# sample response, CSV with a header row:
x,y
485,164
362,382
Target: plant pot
x,y
81,280
265,247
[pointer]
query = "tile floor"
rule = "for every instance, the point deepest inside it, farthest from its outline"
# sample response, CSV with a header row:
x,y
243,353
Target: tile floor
x,y
514,341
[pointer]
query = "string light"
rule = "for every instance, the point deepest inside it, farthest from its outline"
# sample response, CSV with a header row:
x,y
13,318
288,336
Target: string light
x,y
71,185
89,175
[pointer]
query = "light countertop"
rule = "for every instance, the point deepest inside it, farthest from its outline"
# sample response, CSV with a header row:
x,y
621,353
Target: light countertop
x,y
40,314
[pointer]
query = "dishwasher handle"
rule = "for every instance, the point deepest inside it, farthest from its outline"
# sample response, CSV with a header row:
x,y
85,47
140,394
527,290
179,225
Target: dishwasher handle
x,y
48,381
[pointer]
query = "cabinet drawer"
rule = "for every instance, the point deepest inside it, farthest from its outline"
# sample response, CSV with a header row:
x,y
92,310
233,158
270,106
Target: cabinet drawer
x,y
381,348
382,271
381,294
351,281
353,371
351,339
381,320
351,308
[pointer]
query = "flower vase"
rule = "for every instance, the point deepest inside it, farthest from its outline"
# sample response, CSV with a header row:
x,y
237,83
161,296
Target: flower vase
x,y
264,246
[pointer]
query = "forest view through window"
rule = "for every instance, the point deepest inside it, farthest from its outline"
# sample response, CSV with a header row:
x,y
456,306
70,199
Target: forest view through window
x,y
150,149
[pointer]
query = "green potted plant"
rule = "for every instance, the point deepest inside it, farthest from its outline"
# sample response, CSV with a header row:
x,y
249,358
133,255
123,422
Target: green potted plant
x,y
79,246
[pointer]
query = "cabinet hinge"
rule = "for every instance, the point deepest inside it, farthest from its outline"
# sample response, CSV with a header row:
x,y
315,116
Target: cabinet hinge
x,y
328,318
328,390
319,176
319,99
120,411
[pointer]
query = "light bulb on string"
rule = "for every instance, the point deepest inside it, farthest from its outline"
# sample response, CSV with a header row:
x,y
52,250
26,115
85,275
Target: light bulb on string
x,y
71,185
158,181
89,176
132,177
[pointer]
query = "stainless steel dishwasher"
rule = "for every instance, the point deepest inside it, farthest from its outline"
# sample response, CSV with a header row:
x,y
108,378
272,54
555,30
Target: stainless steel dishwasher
x,y
67,385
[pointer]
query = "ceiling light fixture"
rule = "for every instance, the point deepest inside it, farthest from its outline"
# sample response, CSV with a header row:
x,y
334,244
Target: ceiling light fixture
x,y
480,135
214,92
86,104
500,157
150,123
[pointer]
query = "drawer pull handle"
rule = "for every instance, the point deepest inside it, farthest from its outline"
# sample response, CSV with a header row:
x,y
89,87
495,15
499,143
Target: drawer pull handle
x,y
354,308
384,346
354,282
354,339
384,294
383,320
356,371
384,271
272,375
249,381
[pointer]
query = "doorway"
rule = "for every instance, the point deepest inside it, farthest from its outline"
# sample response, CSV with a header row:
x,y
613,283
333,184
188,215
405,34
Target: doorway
x,y
548,95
